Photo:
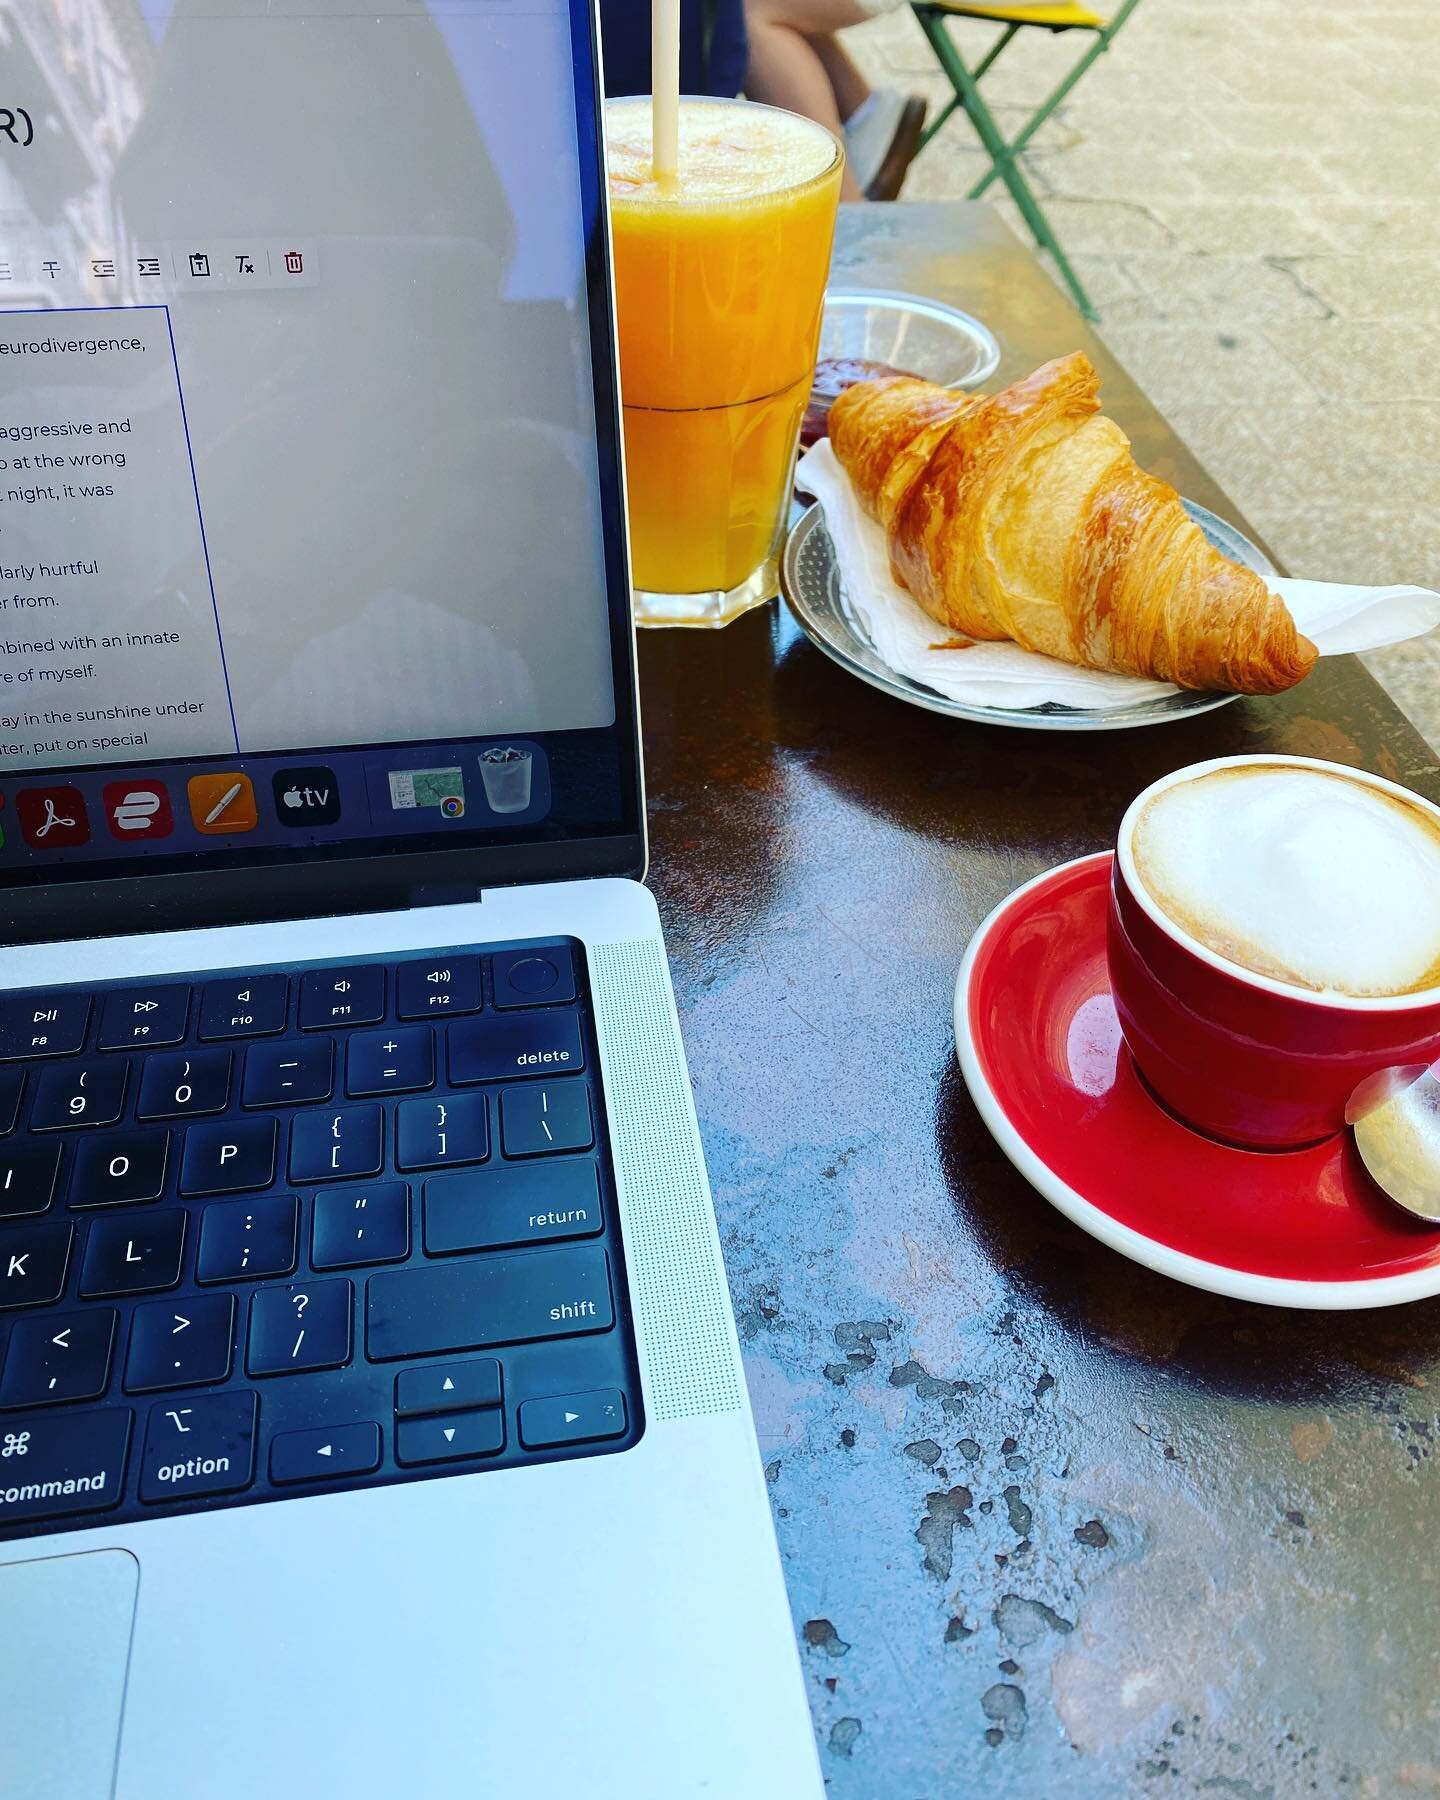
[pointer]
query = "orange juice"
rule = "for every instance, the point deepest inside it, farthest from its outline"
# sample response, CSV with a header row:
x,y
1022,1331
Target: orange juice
x,y
720,278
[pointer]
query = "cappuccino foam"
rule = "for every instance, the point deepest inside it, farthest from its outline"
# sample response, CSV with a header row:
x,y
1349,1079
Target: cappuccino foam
x,y
1301,875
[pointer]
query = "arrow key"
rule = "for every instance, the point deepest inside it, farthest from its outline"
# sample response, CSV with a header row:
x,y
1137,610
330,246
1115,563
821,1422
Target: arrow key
x,y
450,1438
180,1343
325,1455
61,1356
447,1387
572,1419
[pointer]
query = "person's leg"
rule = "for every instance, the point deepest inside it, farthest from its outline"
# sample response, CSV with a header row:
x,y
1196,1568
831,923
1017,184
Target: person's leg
x,y
849,86
786,68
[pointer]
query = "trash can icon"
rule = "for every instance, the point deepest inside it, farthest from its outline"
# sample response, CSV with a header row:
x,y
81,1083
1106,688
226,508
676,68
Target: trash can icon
x,y
505,771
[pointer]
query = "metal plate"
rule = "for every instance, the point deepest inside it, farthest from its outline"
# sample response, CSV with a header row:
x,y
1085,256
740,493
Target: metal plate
x,y
922,337
816,594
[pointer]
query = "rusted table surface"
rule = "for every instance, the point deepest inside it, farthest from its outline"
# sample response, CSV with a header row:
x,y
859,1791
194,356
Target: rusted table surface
x,y
1050,1523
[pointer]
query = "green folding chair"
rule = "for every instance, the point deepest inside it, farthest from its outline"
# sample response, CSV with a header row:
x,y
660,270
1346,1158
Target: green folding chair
x,y
1061,15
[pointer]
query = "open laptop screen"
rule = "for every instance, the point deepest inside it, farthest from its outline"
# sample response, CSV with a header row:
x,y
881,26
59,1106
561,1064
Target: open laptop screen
x,y
305,468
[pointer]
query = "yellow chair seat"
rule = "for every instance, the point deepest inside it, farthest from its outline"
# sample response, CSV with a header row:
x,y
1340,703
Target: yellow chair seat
x,y
1062,15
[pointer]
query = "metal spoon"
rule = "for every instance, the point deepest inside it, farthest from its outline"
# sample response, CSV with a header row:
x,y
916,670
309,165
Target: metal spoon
x,y
1395,1116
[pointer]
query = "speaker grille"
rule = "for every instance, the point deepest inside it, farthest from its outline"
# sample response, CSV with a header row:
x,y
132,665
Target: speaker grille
x,y
675,1270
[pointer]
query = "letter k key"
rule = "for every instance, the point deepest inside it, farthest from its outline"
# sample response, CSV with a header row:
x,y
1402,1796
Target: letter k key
x,y
32,1263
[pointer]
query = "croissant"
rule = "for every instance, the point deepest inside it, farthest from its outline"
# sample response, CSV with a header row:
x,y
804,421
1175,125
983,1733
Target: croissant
x,y
1024,516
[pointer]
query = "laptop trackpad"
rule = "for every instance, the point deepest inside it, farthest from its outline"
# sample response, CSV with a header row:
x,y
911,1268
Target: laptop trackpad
x,y
64,1651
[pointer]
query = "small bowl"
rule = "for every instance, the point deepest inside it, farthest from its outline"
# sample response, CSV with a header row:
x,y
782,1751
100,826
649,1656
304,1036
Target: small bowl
x,y
918,336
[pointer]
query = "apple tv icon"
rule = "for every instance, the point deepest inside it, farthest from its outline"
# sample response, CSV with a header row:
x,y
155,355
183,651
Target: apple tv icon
x,y
307,797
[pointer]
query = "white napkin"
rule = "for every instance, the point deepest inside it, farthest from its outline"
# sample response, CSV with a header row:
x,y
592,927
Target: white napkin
x,y
1337,619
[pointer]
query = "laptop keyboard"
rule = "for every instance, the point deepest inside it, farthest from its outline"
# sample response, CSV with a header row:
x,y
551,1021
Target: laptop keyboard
x,y
268,1232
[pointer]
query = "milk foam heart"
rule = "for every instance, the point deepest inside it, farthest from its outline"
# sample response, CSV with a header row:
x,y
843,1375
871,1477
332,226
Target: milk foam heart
x,y
1298,874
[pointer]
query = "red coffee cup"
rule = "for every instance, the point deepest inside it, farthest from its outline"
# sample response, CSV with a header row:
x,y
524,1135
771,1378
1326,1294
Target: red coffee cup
x,y
1240,1056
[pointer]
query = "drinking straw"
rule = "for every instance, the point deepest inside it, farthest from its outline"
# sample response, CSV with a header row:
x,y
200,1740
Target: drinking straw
x,y
665,87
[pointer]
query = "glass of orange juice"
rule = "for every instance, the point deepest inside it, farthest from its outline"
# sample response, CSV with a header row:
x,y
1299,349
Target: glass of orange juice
x,y
720,279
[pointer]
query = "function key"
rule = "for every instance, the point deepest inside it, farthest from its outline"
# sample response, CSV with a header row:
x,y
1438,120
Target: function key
x,y
353,1226
572,1419
184,1087
62,1463
62,1357
12,1085
123,1169
133,1256
449,1437
244,1006
450,1387
204,1445
32,1264
289,1073
539,1120
330,997
43,1025
543,977
79,1094
27,1179
325,1455
446,984
536,1043
143,1016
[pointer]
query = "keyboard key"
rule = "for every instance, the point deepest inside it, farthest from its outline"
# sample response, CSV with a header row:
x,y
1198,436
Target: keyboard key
x,y
289,1073
12,1085
500,1300
143,1016
244,1006
229,1157
544,977
361,1225
449,1439
300,1327
447,1387
390,1062
133,1256
123,1168
433,1134
79,1093
32,1263
337,1146
446,984
572,1419
499,1049
537,1121
330,997
185,1087
43,1025
493,1209
27,1179
57,1463
63,1356
180,1343
323,1455
205,1445
241,1240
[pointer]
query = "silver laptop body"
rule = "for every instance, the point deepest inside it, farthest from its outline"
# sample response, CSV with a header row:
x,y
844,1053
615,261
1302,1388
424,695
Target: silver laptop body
x,y
320,303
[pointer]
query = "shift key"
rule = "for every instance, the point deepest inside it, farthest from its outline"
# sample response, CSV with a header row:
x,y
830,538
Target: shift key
x,y
502,1300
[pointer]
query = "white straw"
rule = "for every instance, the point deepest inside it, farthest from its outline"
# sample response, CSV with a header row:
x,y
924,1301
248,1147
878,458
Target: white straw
x,y
665,87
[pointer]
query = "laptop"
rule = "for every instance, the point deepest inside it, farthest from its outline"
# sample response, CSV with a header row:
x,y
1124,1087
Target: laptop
x,y
371,1413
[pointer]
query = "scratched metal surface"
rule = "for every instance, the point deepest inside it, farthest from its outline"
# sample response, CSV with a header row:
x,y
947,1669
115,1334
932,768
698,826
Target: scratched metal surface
x,y
1049,1523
